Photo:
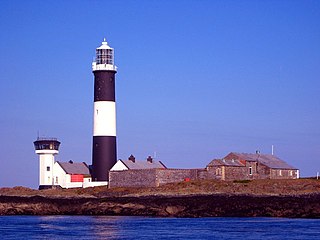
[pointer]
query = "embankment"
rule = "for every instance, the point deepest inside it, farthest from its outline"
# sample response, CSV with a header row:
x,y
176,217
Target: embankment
x,y
216,205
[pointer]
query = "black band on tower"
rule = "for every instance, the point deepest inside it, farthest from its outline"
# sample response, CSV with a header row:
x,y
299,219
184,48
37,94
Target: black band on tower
x,y
104,157
104,86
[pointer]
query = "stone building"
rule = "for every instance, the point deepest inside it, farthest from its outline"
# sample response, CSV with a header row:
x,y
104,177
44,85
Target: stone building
x,y
133,164
234,166
247,166
149,173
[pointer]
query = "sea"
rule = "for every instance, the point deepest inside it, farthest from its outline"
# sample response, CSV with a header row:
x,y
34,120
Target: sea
x,y
106,227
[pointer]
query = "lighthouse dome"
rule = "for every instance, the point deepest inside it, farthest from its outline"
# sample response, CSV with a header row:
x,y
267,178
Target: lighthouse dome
x,y
104,45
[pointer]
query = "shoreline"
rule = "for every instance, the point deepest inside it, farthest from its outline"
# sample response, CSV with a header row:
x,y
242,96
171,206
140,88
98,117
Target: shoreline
x,y
212,205
257,198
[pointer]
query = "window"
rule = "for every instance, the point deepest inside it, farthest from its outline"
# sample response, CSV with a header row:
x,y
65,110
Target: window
x,y
48,169
57,180
104,56
250,170
290,173
280,172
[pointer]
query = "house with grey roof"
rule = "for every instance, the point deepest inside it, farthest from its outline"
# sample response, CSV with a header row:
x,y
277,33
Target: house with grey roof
x,y
246,166
133,164
143,173
71,174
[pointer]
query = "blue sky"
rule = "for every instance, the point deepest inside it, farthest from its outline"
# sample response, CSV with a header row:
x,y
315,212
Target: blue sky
x,y
196,80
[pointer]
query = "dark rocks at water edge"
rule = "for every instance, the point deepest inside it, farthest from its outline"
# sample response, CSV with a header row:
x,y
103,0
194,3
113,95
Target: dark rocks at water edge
x,y
213,205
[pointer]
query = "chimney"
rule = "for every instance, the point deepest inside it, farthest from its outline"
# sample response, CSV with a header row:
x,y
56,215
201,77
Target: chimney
x,y
132,158
149,159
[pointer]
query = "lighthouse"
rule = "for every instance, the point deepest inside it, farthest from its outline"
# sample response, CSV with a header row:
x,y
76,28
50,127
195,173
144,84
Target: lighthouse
x,y
104,149
46,148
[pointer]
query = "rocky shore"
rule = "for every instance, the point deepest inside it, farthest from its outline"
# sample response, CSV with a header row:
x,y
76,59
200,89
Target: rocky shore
x,y
180,200
307,206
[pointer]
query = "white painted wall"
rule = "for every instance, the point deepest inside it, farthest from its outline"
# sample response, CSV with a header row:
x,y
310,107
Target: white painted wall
x,y
104,118
46,162
61,178
119,166
109,67
94,184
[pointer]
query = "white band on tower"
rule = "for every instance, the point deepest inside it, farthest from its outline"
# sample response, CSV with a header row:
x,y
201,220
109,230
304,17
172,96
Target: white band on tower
x,y
104,118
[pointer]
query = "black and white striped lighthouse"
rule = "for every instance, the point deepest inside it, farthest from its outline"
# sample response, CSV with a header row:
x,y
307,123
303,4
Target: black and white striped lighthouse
x,y
104,149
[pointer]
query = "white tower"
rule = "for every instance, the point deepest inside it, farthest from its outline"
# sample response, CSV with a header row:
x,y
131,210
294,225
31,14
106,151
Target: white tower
x,y
46,148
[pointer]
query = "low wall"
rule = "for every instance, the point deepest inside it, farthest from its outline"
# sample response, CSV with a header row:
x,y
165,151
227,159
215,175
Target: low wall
x,y
209,173
164,176
133,178
157,177
94,184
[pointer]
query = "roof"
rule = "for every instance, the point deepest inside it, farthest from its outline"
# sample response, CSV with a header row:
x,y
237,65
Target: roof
x,y
226,162
138,164
266,159
104,45
75,168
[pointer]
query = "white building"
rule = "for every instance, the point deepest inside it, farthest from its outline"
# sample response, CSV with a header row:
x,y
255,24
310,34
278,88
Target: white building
x,y
132,163
71,175
60,174
46,148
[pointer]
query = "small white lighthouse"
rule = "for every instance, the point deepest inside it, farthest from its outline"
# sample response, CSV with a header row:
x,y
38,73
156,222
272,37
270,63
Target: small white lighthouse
x,y
46,148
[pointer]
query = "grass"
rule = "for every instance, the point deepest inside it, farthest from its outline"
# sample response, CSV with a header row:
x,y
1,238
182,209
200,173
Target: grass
x,y
259,187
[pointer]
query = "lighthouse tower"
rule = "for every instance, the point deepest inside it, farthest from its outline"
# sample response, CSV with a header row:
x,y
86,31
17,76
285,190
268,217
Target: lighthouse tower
x,y
104,150
46,148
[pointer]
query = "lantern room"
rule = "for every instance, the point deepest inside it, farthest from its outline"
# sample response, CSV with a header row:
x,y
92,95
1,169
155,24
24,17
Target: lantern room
x,y
104,58
46,144
104,54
